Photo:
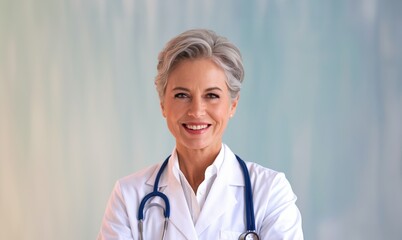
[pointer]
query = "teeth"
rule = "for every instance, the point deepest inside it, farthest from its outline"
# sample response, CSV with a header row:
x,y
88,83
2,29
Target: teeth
x,y
196,127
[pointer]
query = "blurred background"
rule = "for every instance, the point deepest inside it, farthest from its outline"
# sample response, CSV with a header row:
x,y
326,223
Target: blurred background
x,y
321,101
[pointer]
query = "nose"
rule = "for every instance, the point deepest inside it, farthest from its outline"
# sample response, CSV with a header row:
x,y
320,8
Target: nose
x,y
197,107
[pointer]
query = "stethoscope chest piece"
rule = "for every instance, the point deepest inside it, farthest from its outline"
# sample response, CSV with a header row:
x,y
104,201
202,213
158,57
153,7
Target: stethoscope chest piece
x,y
249,235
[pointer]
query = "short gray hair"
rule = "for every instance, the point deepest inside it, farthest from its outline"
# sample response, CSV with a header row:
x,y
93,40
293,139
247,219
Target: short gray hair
x,y
201,43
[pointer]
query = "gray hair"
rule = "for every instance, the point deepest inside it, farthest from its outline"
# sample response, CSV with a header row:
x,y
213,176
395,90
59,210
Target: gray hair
x,y
201,43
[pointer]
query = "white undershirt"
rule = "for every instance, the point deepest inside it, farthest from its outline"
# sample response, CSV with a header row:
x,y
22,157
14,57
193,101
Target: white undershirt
x,y
195,202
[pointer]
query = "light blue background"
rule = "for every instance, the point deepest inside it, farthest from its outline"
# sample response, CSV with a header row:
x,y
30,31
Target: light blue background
x,y
321,101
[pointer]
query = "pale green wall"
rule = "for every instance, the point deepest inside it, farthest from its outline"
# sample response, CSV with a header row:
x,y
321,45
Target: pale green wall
x,y
322,102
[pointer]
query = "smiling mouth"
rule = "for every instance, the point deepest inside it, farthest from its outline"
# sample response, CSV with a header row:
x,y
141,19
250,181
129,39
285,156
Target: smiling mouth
x,y
196,127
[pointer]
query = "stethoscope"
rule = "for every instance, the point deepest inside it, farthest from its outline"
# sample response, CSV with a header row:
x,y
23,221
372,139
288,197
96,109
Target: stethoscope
x,y
250,234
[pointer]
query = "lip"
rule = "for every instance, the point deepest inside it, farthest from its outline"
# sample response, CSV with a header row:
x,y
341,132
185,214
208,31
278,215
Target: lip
x,y
196,127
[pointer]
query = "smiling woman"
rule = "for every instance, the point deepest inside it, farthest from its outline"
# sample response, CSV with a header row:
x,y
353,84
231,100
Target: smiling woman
x,y
199,79
197,107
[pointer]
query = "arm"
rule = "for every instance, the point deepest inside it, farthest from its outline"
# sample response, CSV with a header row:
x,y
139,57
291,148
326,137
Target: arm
x,y
282,218
115,223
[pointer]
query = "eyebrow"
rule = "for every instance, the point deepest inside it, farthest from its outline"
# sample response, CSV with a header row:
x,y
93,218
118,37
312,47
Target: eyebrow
x,y
181,89
187,90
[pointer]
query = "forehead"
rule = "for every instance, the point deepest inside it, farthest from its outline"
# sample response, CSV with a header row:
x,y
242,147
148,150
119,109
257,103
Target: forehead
x,y
197,71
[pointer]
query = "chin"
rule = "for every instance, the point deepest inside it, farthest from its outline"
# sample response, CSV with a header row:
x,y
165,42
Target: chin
x,y
199,145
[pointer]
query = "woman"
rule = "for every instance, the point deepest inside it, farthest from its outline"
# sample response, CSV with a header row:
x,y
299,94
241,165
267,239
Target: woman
x,y
198,81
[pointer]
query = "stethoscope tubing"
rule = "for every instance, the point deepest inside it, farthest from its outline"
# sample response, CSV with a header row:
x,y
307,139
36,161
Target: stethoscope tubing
x,y
248,196
156,193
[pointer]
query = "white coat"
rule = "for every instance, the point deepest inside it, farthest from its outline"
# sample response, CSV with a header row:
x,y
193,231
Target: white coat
x,y
223,214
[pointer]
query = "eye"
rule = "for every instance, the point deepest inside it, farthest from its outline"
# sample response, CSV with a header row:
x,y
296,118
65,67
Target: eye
x,y
212,95
180,95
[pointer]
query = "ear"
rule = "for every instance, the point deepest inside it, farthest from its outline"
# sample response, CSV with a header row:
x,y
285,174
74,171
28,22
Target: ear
x,y
162,109
234,105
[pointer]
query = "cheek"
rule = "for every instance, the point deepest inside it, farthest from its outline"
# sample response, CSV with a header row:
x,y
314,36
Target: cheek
x,y
223,113
172,125
174,113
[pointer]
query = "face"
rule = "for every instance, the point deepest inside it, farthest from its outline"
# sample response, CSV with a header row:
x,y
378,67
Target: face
x,y
197,105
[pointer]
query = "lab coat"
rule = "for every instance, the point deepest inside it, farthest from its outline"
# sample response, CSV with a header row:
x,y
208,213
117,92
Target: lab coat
x,y
223,214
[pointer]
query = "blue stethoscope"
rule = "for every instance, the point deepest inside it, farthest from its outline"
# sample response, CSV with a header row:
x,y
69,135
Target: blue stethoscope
x,y
250,234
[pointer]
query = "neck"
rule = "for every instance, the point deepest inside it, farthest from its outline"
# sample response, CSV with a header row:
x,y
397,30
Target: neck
x,y
193,164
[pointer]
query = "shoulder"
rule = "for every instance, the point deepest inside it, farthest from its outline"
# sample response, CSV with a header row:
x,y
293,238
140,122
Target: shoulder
x,y
271,189
267,179
259,175
258,171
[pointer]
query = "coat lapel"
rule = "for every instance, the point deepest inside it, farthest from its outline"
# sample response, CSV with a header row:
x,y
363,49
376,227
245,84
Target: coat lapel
x,y
180,217
222,196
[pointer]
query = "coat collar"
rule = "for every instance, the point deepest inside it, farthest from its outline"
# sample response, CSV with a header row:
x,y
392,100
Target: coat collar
x,y
230,168
223,190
